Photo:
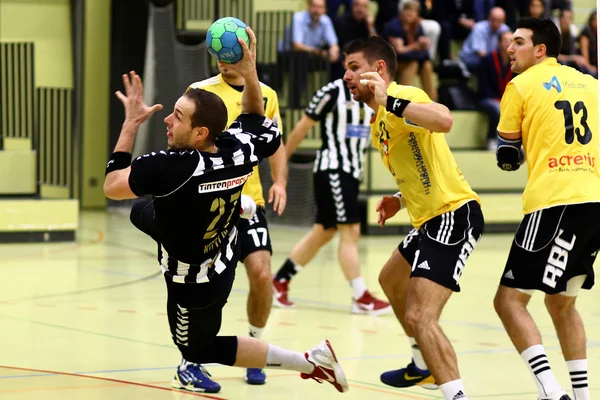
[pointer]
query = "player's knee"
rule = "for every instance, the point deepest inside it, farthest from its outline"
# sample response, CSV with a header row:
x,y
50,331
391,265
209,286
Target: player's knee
x,y
418,317
559,305
324,236
260,280
500,303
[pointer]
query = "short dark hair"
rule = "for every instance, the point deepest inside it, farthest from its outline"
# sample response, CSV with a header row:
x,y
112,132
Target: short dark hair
x,y
544,32
210,112
374,48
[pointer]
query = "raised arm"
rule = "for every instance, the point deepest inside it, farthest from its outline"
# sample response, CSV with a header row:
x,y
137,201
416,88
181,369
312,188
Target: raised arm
x,y
116,182
432,116
252,98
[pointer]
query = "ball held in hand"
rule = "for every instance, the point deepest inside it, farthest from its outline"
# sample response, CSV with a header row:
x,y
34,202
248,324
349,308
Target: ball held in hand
x,y
222,39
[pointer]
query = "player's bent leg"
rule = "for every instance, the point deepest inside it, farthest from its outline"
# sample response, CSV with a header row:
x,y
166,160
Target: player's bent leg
x,y
511,306
363,302
301,254
394,279
260,297
319,363
571,334
425,302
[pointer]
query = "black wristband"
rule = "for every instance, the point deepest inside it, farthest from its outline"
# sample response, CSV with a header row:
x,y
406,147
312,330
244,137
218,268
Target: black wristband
x,y
118,160
396,106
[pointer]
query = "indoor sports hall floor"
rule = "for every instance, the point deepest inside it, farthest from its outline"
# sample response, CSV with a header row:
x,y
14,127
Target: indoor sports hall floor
x,y
87,320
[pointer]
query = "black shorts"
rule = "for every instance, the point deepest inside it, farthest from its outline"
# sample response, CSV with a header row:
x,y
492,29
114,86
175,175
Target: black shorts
x,y
552,246
336,195
439,249
195,311
254,234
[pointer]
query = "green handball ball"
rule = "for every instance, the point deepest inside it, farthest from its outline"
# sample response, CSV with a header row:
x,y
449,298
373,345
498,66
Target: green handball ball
x,y
222,39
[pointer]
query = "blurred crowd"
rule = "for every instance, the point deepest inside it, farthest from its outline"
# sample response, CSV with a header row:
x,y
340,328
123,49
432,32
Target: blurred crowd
x,y
436,40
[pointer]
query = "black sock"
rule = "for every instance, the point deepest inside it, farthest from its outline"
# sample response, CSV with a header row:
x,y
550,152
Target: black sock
x,y
287,271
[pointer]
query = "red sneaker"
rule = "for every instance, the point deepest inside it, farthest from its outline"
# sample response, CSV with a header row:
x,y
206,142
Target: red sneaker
x,y
280,294
327,367
367,304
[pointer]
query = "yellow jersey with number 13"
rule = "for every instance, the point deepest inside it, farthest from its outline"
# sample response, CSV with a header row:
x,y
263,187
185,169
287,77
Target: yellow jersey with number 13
x,y
233,101
555,108
419,160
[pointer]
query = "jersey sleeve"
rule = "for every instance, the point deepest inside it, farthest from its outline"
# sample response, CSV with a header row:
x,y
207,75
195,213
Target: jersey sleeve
x,y
322,102
415,95
160,173
262,133
511,110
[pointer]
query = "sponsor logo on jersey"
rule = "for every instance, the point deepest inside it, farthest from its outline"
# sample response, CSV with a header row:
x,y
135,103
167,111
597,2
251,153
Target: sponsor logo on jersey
x,y
554,83
572,160
222,185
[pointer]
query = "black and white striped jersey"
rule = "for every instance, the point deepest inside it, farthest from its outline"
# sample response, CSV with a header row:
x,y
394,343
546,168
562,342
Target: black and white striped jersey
x,y
345,130
197,197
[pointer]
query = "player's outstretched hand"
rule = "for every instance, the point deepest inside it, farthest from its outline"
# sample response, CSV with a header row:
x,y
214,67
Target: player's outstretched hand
x,y
278,196
136,110
247,65
386,208
377,85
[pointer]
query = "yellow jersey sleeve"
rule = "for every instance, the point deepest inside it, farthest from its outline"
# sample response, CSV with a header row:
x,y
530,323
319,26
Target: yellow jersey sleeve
x,y
414,95
272,108
511,110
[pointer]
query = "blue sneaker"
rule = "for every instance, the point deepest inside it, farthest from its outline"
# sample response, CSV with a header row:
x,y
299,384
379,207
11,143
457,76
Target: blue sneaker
x,y
195,378
255,376
409,376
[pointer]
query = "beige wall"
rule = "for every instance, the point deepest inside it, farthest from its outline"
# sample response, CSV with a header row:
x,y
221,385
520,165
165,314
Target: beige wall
x,y
47,24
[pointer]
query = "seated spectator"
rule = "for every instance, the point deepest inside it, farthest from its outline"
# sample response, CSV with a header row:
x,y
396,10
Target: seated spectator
x,y
310,44
333,7
568,51
493,75
431,28
356,23
406,36
483,39
588,43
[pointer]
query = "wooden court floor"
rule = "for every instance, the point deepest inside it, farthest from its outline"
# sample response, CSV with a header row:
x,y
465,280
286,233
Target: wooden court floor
x,y
87,320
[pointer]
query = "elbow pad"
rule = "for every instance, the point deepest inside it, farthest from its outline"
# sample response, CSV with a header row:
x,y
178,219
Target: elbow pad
x,y
509,154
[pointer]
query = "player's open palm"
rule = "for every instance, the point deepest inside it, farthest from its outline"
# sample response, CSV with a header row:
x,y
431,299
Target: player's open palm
x,y
387,207
133,100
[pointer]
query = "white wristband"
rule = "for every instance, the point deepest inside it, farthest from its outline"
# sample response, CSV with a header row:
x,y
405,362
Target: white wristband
x,y
402,201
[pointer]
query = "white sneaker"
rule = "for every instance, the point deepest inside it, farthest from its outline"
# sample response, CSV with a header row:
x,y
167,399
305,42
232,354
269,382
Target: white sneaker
x,y
327,367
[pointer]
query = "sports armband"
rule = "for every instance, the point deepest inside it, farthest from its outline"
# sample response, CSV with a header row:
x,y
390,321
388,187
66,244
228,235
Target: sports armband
x,y
118,160
509,153
402,201
396,106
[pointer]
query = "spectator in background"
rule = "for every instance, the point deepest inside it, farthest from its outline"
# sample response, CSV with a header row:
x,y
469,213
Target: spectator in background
x,y
333,7
536,9
483,39
355,23
310,44
431,28
568,51
493,75
588,43
406,36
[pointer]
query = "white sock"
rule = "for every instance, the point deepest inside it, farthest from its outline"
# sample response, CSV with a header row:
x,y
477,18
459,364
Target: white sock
x,y
537,361
280,358
453,390
358,287
578,369
255,332
184,364
416,355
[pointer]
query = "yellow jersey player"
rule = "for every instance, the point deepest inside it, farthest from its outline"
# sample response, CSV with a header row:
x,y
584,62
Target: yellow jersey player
x,y
253,238
425,269
550,113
